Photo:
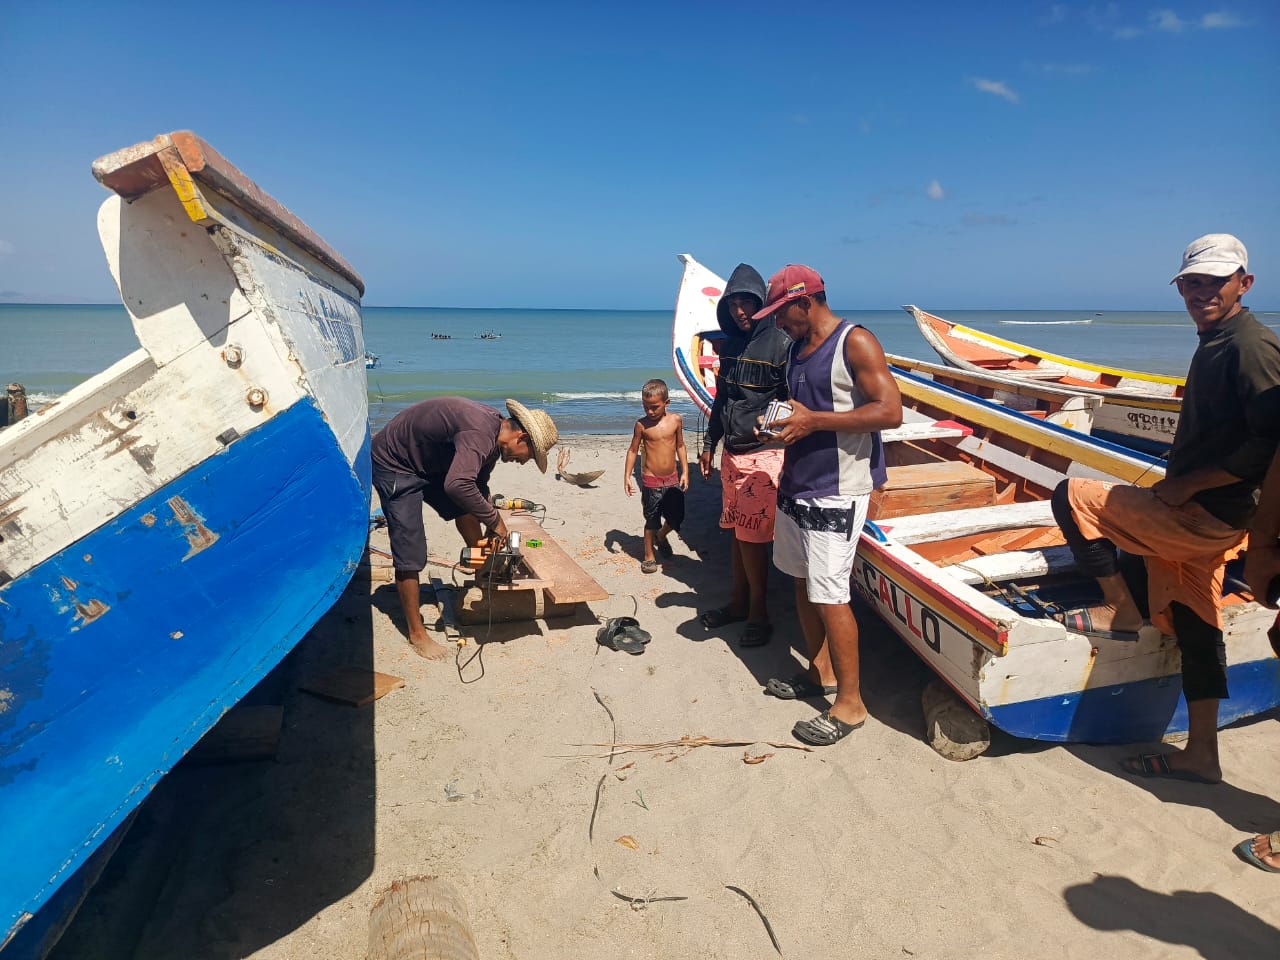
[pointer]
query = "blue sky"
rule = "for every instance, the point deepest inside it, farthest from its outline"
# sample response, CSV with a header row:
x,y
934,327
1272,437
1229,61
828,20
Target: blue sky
x,y
548,154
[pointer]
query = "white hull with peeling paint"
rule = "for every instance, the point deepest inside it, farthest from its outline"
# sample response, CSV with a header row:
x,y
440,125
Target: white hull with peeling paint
x,y
173,526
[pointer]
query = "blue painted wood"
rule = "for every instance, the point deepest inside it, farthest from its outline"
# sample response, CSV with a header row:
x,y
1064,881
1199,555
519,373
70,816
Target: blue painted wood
x,y
199,605
1135,712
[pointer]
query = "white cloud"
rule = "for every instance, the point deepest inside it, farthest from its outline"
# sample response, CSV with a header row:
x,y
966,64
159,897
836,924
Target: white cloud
x,y
1057,14
1220,21
934,191
996,87
1168,21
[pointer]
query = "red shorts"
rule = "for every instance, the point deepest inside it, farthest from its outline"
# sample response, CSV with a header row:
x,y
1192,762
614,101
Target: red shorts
x,y
749,482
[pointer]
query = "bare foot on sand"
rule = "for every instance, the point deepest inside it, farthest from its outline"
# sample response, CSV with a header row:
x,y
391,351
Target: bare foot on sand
x,y
428,648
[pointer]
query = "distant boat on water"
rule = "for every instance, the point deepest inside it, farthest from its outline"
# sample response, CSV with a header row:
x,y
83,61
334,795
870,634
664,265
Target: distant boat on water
x,y
442,336
488,335
370,361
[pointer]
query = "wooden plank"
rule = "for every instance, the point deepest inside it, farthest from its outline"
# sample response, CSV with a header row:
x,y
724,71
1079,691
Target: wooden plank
x,y
1015,565
924,430
569,582
931,487
946,525
356,686
244,733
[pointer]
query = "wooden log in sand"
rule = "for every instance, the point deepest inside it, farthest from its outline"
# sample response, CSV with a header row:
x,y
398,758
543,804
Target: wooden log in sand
x,y
421,918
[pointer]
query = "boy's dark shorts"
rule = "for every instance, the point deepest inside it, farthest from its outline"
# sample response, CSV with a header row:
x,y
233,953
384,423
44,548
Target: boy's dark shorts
x,y
662,503
402,496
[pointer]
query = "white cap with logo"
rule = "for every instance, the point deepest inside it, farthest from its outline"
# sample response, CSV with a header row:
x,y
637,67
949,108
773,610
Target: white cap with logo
x,y
1214,255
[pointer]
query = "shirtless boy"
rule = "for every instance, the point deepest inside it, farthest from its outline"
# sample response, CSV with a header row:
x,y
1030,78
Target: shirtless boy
x,y
662,499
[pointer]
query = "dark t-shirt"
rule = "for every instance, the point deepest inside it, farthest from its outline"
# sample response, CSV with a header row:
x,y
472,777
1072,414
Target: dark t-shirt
x,y
449,442
1230,414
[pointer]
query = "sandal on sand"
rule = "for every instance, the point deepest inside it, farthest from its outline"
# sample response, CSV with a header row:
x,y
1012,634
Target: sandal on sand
x,y
719,617
799,687
756,635
1244,850
824,729
1156,765
649,566
1079,621
623,634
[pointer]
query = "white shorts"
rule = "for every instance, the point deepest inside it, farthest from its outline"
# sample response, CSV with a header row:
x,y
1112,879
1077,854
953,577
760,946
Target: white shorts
x,y
822,558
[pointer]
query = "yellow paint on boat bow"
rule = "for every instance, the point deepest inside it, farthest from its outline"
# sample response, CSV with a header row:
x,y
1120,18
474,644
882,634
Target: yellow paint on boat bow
x,y
184,186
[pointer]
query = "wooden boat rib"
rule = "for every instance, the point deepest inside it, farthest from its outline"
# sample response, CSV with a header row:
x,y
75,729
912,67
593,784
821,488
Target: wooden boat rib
x,y
140,511
965,563
1139,410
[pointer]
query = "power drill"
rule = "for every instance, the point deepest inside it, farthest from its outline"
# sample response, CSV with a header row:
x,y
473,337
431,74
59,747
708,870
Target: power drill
x,y
513,503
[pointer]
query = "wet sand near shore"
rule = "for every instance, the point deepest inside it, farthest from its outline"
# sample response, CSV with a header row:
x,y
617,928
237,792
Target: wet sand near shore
x,y
480,770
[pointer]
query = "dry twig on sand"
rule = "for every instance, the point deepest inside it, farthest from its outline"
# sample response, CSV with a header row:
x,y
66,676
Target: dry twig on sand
x,y
687,743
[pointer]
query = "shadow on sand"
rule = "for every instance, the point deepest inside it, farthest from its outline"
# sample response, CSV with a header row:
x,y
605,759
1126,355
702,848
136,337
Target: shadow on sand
x,y
1206,922
223,860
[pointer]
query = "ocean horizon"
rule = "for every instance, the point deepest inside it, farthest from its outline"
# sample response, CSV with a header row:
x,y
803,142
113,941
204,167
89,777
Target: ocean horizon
x,y
584,367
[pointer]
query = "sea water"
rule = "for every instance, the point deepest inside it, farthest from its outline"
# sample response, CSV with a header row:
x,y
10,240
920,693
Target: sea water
x,y
584,367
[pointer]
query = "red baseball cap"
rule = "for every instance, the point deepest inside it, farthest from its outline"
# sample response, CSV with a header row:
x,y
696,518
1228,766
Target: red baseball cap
x,y
790,283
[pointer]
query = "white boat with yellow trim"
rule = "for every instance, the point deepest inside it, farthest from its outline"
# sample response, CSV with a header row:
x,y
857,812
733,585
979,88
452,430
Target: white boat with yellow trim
x,y
964,561
1066,408
1139,410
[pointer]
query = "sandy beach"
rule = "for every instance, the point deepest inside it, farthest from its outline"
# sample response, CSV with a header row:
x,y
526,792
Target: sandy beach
x,y
481,770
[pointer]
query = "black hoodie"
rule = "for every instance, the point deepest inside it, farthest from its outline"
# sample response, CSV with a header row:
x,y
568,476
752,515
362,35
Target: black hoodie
x,y
753,370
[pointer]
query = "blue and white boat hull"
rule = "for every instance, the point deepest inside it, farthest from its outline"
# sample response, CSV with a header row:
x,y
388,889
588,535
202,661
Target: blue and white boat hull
x,y
171,528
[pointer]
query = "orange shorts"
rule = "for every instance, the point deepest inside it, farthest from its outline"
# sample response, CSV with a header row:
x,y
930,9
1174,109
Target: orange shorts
x,y
1185,547
749,482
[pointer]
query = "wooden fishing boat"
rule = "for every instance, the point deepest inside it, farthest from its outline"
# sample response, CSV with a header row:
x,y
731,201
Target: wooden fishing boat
x,y
1139,410
1067,408
963,560
170,528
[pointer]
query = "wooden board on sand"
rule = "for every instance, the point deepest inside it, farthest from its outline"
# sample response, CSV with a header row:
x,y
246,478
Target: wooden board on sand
x,y
568,582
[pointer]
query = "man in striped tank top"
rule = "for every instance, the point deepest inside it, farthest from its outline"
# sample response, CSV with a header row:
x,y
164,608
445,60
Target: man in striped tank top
x,y
842,394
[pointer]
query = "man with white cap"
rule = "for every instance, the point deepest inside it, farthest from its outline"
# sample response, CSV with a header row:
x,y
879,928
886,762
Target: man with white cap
x,y
1186,526
441,452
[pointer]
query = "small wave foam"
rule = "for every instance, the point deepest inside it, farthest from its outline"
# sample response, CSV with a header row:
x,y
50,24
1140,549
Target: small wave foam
x,y
1044,323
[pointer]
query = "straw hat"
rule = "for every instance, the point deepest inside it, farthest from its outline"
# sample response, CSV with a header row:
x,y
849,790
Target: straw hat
x,y
540,428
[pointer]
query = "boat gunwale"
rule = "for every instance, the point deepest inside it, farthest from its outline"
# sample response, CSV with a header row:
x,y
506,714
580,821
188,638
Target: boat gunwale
x,y
137,170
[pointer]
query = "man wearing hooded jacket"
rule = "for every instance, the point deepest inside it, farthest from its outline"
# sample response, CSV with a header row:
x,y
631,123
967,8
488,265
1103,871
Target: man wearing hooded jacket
x,y
753,371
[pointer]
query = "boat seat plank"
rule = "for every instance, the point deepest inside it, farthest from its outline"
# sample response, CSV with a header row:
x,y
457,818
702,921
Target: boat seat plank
x,y
947,524
566,581
1015,565
925,430
915,488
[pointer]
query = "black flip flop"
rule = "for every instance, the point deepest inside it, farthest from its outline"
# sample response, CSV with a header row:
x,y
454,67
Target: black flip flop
x,y
824,729
756,635
623,634
719,617
1156,766
799,687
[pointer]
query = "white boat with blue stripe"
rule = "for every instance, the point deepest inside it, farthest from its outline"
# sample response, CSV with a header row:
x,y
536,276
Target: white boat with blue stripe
x,y
171,528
